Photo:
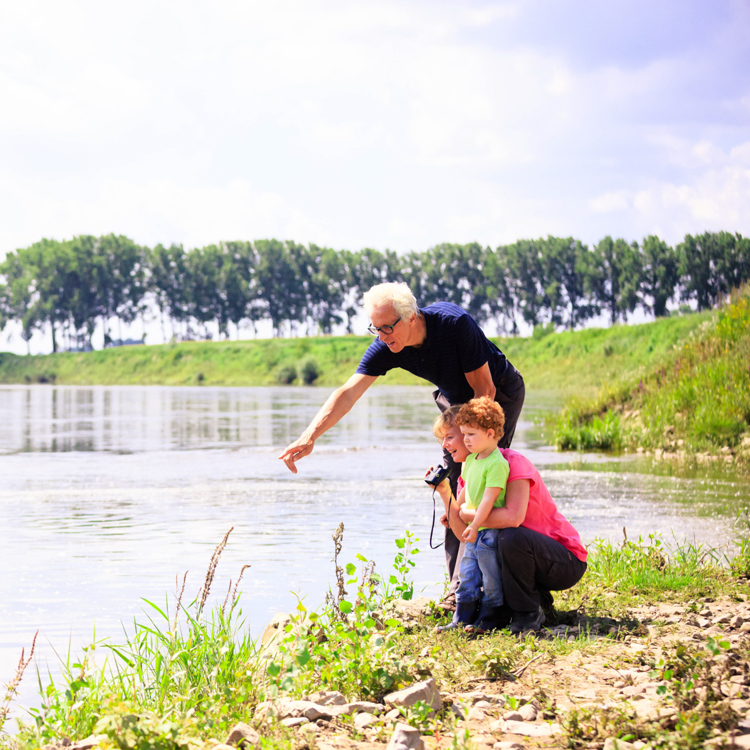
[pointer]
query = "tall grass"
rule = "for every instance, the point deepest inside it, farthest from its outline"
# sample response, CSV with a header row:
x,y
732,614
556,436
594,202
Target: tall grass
x,y
198,669
697,398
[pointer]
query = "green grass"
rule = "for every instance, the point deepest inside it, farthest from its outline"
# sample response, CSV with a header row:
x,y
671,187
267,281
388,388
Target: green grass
x,y
694,398
569,362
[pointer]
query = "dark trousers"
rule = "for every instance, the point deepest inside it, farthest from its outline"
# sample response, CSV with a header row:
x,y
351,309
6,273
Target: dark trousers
x,y
510,396
532,565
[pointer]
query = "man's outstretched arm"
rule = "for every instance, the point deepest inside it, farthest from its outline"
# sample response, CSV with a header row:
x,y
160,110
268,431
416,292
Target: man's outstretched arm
x,y
338,404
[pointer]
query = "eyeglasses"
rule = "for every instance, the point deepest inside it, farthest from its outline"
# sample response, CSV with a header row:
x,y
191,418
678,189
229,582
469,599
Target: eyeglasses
x,y
387,330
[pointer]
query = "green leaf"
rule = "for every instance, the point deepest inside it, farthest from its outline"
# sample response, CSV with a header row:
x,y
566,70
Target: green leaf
x,y
400,543
274,670
345,607
362,558
351,569
303,657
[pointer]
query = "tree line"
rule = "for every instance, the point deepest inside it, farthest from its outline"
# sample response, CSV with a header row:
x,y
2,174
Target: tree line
x,y
68,287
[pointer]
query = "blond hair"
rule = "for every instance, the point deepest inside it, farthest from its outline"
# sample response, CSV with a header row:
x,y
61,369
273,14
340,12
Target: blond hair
x,y
482,412
445,421
395,293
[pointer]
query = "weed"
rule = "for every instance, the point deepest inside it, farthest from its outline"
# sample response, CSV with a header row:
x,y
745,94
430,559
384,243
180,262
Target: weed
x,y
12,687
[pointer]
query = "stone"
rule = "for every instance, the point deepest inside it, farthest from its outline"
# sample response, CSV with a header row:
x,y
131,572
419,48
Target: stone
x,y
327,698
745,627
741,742
476,714
363,720
513,716
736,622
275,629
484,705
704,623
295,721
89,742
612,743
426,691
458,712
528,712
244,736
722,619
366,707
221,746
588,695
507,745
408,611
405,737
525,729
630,690
394,713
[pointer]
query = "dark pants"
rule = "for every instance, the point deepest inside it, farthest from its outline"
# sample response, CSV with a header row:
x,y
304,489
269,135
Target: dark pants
x,y
510,396
532,565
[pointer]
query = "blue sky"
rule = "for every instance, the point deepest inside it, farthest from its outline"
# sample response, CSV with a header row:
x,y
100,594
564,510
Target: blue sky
x,y
389,125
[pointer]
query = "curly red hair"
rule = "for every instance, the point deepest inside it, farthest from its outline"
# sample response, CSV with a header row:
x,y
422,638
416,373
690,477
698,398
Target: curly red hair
x,y
482,412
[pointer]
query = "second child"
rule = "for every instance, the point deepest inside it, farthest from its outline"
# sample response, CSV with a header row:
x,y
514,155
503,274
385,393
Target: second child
x,y
485,474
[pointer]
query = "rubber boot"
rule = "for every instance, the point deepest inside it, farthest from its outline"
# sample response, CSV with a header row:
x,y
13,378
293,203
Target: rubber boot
x,y
465,613
490,618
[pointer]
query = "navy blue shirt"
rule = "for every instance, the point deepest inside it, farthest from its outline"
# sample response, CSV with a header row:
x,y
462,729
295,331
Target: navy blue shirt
x,y
454,345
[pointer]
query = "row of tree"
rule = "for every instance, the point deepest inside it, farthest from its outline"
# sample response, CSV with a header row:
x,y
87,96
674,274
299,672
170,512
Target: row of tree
x,y
69,286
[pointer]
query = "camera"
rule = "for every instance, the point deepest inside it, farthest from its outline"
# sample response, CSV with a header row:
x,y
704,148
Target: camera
x,y
437,475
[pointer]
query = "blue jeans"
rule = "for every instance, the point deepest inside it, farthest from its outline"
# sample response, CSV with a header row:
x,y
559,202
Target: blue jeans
x,y
480,570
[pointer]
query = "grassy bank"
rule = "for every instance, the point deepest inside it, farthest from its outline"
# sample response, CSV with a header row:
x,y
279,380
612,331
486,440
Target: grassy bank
x,y
694,400
184,678
570,362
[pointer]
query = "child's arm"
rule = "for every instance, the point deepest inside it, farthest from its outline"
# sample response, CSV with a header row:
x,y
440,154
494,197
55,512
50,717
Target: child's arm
x,y
485,506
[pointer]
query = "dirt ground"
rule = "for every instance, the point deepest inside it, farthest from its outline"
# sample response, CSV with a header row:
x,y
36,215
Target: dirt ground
x,y
611,684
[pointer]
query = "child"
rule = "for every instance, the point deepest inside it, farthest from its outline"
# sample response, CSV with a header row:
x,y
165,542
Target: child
x,y
485,474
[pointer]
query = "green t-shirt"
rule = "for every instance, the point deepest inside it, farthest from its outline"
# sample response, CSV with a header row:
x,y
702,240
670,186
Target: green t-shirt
x,y
479,474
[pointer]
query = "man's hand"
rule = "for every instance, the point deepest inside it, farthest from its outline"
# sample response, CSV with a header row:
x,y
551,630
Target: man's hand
x,y
296,450
470,534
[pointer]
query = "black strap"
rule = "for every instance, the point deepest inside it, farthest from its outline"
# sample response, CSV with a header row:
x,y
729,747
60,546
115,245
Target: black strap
x,y
437,546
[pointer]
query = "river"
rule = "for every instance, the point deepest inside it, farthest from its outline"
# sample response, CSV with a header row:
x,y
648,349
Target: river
x,y
108,493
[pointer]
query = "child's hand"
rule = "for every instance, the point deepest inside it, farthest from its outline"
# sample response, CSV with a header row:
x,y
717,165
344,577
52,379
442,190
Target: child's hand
x,y
470,534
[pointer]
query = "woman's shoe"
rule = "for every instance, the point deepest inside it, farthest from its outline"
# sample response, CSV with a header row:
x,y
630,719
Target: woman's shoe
x,y
523,621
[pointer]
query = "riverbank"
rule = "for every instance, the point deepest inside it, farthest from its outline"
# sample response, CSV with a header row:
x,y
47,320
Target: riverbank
x,y
569,362
692,403
651,647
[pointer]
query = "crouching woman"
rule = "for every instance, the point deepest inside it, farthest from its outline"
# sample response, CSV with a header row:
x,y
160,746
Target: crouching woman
x,y
538,549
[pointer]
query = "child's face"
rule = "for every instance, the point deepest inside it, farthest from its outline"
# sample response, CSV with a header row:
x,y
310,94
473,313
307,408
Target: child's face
x,y
476,439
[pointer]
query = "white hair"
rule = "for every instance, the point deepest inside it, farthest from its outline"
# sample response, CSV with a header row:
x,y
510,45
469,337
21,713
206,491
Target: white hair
x,y
394,293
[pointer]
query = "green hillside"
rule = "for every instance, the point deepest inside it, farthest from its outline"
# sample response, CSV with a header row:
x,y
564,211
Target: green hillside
x,y
571,362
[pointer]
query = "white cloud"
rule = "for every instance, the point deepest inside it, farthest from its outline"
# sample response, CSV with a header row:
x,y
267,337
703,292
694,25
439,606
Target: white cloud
x,y
608,202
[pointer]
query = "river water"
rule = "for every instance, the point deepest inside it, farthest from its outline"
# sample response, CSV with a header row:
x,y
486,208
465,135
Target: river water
x,y
107,493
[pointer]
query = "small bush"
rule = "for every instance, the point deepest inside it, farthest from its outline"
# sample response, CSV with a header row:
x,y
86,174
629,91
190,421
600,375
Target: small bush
x,y
597,433
309,371
286,375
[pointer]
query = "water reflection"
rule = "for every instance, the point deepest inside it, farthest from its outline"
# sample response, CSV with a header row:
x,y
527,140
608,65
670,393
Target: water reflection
x,y
132,419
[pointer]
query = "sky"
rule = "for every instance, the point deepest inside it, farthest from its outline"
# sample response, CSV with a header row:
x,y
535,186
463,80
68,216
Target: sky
x,y
373,124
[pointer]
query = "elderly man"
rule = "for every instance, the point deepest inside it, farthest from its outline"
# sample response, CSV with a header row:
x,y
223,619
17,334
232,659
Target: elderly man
x,y
441,343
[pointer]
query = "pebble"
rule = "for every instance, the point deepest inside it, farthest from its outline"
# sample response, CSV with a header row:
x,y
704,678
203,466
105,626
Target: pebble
x,y
528,712
295,721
